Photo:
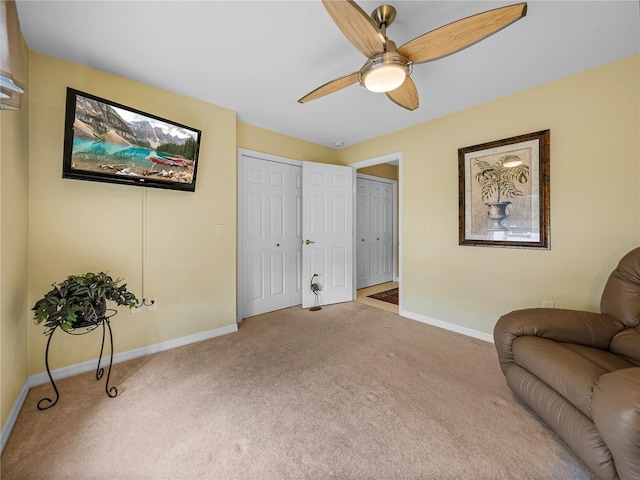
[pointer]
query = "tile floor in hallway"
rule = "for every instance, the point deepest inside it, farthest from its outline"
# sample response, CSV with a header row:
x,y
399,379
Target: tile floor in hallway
x,y
361,296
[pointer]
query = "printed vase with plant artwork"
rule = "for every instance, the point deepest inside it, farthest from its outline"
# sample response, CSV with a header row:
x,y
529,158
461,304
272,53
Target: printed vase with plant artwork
x,y
498,180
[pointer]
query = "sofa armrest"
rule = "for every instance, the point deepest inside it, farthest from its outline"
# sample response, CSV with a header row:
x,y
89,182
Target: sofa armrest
x,y
570,326
615,409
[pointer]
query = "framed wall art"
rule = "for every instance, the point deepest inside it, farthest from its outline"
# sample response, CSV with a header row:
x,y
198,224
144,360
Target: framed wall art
x,y
504,193
105,141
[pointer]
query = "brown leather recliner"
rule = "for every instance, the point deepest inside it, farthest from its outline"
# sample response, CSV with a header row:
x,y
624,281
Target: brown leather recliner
x,y
580,372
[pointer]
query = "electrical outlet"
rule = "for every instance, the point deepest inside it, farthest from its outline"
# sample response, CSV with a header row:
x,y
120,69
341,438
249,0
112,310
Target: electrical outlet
x,y
219,230
152,304
136,310
548,304
420,230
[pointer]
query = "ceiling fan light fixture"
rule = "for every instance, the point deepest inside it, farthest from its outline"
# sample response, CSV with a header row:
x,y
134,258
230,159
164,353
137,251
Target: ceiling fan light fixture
x,y
388,66
385,72
384,78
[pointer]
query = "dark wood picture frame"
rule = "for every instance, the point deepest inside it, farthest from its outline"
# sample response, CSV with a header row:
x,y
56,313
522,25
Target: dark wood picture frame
x,y
504,193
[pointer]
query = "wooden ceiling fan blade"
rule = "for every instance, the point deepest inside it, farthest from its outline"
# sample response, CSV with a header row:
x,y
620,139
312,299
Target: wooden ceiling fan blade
x,y
331,87
406,95
461,34
356,25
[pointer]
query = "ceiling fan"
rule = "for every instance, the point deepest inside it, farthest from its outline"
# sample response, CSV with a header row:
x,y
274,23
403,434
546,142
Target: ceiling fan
x,y
388,68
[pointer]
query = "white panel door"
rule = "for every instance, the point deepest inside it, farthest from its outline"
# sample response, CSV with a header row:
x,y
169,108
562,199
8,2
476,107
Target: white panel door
x,y
381,233
271,236
297,240
363,218
327,232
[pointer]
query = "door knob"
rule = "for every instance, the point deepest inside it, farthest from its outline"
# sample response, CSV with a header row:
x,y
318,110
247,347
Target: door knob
x,y
308,242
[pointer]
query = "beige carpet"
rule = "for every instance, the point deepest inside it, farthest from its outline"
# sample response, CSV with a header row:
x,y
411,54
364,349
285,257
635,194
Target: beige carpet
x,y
349,392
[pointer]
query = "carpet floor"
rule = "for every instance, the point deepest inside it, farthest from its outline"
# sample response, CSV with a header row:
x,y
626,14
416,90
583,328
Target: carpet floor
x,y
349,392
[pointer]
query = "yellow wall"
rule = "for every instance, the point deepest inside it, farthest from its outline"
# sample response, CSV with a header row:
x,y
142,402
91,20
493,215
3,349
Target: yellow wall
x,y
79,226
14,212
595,199
266,141
383,170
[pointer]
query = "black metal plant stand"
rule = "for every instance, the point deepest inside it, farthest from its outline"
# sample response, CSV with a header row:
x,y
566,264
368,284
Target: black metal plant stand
x,y
46,402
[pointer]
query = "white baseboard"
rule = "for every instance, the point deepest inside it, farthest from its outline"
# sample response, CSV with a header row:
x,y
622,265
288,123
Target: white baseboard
x,y
13,415
469,332
71,370
42,378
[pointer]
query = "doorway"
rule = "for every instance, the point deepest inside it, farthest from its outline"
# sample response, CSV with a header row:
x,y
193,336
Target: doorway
x,y
376,214
395,160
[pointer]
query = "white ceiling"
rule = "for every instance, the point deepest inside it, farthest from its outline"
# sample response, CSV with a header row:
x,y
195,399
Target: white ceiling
x,y
259,57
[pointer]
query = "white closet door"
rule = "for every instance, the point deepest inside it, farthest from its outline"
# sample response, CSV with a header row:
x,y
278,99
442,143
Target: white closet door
x,y
297,283
271,236
327,232
374,232
363,219
381,238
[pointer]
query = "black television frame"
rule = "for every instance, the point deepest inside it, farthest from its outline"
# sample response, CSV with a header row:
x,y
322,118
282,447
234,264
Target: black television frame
x,y
178,170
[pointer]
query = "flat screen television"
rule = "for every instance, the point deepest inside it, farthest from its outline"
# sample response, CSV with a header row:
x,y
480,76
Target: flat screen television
x,y
108,142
